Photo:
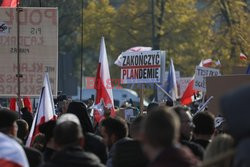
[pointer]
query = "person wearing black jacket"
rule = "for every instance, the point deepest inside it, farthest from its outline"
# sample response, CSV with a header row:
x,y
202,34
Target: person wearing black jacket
x,y
93,143
69,141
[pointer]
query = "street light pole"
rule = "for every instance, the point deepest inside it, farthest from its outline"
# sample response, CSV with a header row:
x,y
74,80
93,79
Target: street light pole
x,y
81,67
19,75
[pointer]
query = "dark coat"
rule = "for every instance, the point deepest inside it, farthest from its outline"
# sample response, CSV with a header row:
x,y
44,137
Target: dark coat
x,y
175,156
73,157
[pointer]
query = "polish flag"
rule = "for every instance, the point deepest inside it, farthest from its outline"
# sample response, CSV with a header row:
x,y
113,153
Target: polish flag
x,y
12,153
45,110
10,3
207,63
104,94
188,95
243,56
118,61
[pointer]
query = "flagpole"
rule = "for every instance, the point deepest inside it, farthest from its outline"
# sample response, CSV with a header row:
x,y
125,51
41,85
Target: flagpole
x,y
81,66
18,75
141,99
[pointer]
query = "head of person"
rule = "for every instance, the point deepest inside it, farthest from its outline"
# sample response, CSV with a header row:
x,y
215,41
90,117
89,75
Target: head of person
x,y
221,144
8,123
47,129
186,129
160,131
79,109
23,129
112,130
135,128
152,107
68,132
204,125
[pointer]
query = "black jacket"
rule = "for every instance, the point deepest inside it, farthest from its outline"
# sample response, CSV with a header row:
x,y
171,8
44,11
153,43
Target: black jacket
x,y
73,156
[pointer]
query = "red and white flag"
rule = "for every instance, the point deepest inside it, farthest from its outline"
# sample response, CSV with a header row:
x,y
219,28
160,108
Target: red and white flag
x,y
10,3
243,56
11,153
118,61
45,110
207,63
188,95
103,85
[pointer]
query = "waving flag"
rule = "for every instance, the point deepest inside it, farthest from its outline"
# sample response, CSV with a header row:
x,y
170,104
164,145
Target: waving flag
x,y
25,103
188,95
171,82
11,153
10,3
118,61
207,63
103,88
243,56
45,110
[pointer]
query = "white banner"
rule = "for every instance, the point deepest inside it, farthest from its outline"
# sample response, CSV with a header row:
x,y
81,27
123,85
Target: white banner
x,y
200,77
38,50
143,67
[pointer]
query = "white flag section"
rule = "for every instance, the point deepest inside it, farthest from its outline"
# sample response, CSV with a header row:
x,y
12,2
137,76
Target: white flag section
x,y
118,61
11,153
102,83
45,110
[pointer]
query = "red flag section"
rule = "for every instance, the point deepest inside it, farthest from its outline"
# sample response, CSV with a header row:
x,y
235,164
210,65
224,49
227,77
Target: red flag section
x,y
243,57
103,85
26,103
188,94
10,3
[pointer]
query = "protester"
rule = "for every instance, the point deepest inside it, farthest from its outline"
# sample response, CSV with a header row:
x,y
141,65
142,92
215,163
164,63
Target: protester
x,y
151,107
135,129
235,108
23,130
128,153
49,148
9,127
219,151
93,143
160,142
113,130
204,128
186,131
27,116
69,141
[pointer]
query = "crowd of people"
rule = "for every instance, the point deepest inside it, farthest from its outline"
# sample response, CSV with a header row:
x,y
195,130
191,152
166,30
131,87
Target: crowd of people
x,y
162,136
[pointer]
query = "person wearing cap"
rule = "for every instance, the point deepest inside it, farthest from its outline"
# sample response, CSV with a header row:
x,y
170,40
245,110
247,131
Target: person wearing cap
x,y
69,143
8,126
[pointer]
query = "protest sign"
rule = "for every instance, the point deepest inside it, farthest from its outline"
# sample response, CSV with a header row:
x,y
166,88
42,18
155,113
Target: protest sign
x,y
38,41
200,77
143,67
219,85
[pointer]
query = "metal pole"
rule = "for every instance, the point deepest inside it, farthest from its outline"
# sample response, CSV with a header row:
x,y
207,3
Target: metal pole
x,y
153,23
19,75
81,72
40,3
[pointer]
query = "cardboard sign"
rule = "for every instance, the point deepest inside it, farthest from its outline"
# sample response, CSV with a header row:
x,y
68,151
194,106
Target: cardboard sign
x,y
38,50
200,77
143,67
218,86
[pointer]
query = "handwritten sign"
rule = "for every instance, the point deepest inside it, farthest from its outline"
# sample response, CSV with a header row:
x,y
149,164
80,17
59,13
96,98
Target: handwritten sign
x,y
200,77
142,67
38,50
